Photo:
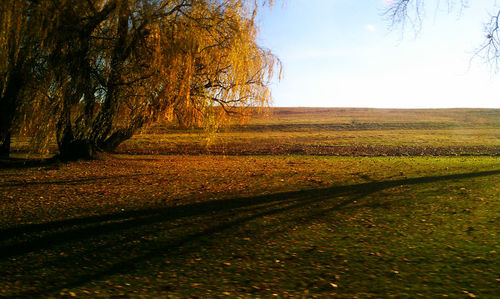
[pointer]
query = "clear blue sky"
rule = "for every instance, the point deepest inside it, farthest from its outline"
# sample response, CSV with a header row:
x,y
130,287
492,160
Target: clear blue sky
x,y
341,53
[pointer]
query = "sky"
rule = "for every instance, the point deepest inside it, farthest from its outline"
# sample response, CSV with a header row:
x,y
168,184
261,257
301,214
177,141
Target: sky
x,y
342,53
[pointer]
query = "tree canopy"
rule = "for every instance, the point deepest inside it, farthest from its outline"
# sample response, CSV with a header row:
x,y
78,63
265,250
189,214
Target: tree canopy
x,y
91,73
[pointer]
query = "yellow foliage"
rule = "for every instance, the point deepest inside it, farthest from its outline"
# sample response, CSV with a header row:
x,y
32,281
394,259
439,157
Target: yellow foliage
x,y
109,65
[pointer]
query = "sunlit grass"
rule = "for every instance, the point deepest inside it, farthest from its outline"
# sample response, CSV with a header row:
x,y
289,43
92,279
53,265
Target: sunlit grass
x,y
307,203
252,226
310,130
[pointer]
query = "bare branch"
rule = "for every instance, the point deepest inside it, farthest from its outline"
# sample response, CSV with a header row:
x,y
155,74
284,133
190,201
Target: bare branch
x,y
489,51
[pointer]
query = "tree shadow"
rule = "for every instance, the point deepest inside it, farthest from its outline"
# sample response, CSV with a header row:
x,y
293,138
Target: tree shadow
x,y
25,163
76,181
117,243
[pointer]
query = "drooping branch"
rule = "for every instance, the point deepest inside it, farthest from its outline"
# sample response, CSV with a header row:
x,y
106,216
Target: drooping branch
x,y
105,68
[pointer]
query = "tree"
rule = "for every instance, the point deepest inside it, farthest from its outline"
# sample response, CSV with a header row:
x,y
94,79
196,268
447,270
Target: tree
x,y
110,67
23,27
410,12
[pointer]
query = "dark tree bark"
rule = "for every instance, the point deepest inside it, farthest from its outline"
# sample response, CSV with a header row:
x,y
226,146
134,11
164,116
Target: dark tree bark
x,y
5,146
76,149
103,123
117,138
8,106
73,138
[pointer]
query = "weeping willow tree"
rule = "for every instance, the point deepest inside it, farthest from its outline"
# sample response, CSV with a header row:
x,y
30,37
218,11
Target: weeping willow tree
x,y
104,69
23,28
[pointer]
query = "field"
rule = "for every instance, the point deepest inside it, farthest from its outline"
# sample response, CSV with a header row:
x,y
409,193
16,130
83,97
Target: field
x,y
348,203
344,132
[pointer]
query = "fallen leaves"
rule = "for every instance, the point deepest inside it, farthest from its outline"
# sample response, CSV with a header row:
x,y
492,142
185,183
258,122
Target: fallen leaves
x,y
219,228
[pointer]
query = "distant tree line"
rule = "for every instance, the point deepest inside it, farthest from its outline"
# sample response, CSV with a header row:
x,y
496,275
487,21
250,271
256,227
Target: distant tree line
x,y
91,73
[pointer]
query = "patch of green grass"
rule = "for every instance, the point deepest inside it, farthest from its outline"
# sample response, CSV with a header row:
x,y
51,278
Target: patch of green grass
x,y
252,226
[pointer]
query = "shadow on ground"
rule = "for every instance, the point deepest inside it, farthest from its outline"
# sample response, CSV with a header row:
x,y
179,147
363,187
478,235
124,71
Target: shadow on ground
x,y
59,255
22,163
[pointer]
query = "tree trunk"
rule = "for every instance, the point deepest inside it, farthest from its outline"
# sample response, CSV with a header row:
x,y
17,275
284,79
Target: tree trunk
x,y
103,124
8,107
76,149
70,147
7,111
113,141
9,100
5,146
